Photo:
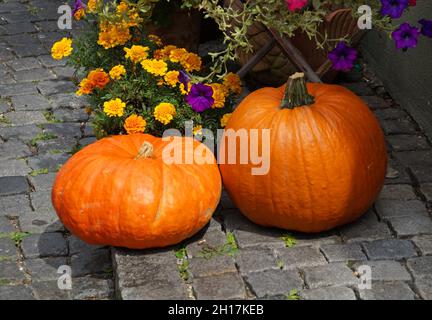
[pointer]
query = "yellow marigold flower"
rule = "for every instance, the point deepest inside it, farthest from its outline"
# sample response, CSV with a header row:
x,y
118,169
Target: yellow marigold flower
x,y
156,67
99,78
164,112
156,39
224,120
197,130
62,48
219,95
113,35
184,91
114,107
86,86
178,55
191,62
117,72
92,5
171,78
135,124
233,83
79,14
136,53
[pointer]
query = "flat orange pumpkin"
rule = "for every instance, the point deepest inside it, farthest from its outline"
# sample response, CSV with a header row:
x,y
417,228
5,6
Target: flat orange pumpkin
x,y
327,157
118,191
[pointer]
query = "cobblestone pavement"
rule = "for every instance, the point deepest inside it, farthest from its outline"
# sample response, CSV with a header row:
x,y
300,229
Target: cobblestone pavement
x,y
42,123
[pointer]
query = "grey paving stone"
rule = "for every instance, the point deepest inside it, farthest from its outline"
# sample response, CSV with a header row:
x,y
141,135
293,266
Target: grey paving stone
x,y
390,249
17,89
50,244
40,222
201,267
52,162
41,201
68,100
150,274
33,75
49,290
43,182
47,26
4,106
51,87
419,162
424,287
273,282
13,185
386,270
212,239
91,288
375,102
30,102
18,292
397,192
6,225
21,118
366,228
7,248
399,126
69,130
46,60
420,267
91,262
390,114
333,274
426,189
409,226
23,27
77,246
299,257
343,252
24,64
399,208
30,50
70,115
256,259
388,291
6,54
14,206
24,133
408,142
225,286
424,243
13,149
402,174
329,293
45,269
64,72
359,88
9,271
89,132
60,145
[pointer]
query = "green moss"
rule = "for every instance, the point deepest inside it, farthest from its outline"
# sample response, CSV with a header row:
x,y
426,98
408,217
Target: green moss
x,y
289,240
37,172
229,248
182,263
293,295
43,136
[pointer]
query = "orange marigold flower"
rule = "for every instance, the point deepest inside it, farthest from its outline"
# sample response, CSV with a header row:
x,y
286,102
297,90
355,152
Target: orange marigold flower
x,y
135,124
99,78
114,107
113,35
86,86
164,53
62,48
224,120
164,112
171,78
156,67
178,55
191,62
136,53
156,39
79,14
219,95
117,72
233,83
92,5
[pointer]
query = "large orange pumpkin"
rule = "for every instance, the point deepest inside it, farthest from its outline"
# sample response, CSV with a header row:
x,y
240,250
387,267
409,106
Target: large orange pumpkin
x,y
327,157
118,191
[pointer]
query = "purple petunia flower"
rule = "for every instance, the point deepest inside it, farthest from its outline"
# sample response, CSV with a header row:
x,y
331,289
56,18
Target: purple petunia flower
x,y
200,97
184,78
406,36
78,6
393,8
426,27
343,57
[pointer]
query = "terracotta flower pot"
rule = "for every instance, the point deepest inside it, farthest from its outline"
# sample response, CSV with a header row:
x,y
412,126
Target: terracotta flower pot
x,y
274,67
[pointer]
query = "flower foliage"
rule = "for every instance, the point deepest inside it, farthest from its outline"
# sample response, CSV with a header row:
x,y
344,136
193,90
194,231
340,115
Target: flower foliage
x,y
136,83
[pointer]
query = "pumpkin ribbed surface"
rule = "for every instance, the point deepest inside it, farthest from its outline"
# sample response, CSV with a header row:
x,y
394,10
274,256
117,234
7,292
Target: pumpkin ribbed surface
x,y
112,193
327,160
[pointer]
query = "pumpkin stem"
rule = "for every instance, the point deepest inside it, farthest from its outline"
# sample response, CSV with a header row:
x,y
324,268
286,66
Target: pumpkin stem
x,y
146,151
296,94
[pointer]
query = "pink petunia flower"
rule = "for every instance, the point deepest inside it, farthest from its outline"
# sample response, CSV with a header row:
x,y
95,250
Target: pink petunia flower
x,y
296,4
